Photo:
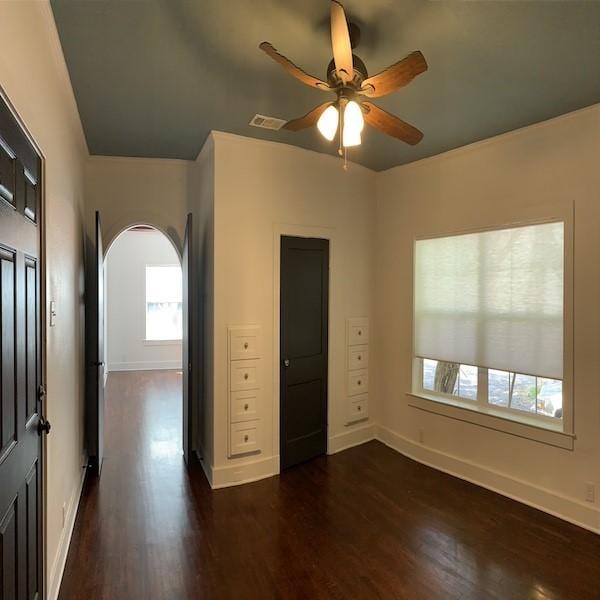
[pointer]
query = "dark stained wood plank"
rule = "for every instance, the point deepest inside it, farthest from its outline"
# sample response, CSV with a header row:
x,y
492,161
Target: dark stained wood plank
x,y
365,523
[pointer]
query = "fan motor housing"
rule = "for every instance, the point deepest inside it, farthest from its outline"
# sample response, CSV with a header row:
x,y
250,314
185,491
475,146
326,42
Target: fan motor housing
x,y
360,72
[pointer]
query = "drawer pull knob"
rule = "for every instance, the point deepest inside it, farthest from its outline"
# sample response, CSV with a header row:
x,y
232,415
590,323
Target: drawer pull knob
x,y
245,345
359,357
359,382
245,438
359,332
245,407
245,375
359,407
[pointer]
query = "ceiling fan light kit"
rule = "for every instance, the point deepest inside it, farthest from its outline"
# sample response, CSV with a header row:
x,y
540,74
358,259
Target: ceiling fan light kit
x,y
348,78
328,122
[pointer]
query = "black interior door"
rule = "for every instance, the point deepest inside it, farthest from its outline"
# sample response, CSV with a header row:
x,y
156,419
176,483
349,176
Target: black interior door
x,y
304,342
21,389
94,320
186,362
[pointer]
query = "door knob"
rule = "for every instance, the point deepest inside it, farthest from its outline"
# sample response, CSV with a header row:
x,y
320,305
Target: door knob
x,y
286,362
44,426
99,363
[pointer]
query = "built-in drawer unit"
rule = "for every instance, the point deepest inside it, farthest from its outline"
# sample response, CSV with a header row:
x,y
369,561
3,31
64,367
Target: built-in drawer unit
x,y
358,357
244,375
358,331
243,405
357,369
358,382
244,343
358,408
244,437
244,353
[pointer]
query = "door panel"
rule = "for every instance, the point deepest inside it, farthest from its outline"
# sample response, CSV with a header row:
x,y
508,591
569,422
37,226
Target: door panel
x,y
187,338
31,496
8,551
31,336
304,408
95,349
20,365
304,344
7,175
9,334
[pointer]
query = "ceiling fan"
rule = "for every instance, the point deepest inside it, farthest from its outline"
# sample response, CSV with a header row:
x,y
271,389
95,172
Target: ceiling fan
x,y
348,78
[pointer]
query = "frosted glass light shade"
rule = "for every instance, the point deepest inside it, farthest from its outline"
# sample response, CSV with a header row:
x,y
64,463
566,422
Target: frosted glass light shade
x,y
353,124
328,122
492,299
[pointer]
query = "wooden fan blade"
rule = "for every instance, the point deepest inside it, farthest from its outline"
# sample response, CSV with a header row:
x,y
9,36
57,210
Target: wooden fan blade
x,y
340,42
395,76
308,120
390,124
293,70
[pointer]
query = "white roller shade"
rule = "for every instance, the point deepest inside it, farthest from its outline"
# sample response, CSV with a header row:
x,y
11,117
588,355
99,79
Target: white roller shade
x,y
492,299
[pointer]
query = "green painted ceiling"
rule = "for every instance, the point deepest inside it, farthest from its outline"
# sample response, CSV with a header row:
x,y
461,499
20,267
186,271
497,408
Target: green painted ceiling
x,y
153,77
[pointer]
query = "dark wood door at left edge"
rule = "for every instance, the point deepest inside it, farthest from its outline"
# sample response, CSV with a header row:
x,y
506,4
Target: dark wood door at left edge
x,y
21,389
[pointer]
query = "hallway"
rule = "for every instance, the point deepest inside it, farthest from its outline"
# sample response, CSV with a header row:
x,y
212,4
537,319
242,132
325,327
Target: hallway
x,y
365,523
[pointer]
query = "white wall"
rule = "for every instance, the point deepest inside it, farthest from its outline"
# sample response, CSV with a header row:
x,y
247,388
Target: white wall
x,y
487,184
130,191
125,297
262,188
201,205
34,77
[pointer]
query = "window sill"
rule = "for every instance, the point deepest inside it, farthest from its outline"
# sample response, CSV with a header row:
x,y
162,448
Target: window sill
x,y
161,342
461,411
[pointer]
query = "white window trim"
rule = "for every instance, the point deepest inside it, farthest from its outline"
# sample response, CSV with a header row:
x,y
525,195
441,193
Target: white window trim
x,y
519,423
153,342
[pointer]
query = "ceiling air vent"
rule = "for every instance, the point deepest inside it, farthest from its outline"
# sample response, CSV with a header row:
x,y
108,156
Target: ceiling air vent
x,y
267,122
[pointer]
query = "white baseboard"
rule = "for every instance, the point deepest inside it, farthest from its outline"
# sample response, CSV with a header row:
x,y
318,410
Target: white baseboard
x,y
237,474
356,435
58,567
569,509
261,468
152,365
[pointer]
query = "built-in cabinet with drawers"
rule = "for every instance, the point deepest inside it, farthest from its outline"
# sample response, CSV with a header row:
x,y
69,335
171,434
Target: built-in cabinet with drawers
x,y
245,389
357,369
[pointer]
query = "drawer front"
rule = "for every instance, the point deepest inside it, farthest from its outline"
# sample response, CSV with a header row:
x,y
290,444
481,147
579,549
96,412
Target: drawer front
x,y
243,437
358,357
358,382
358,331
244,375
244,405
244,343
358,408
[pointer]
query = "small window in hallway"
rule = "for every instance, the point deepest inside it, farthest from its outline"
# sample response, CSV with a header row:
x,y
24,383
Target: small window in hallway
x,y
163,302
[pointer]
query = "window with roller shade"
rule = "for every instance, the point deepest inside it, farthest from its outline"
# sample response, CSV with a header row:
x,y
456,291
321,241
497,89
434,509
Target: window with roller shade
x,y
163,302
488,320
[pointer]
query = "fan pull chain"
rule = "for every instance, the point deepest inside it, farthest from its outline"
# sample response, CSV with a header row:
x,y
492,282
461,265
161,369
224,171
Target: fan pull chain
x,y
345,159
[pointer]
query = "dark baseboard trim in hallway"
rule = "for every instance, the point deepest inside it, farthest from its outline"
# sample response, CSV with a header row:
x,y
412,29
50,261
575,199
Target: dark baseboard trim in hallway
x,y
364,523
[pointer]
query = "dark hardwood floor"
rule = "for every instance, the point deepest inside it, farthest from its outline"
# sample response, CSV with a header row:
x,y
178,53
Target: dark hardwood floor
x,y
365,523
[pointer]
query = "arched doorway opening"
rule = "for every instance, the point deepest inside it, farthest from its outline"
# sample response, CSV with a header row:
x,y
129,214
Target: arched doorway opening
x,y
143,343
